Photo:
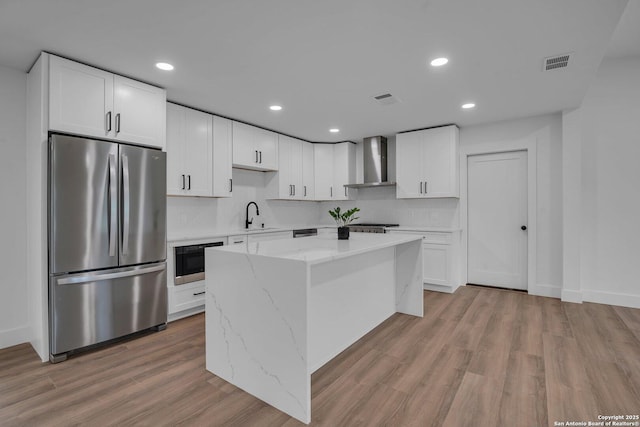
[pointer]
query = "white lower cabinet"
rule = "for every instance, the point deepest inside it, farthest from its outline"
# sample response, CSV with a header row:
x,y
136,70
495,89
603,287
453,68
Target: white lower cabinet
x,y
186,299
262,237
440,255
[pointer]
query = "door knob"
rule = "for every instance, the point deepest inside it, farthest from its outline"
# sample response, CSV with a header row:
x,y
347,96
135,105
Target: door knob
x,y
523,228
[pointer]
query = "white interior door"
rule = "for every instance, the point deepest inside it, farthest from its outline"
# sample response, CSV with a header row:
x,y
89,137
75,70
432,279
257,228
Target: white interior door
x,y
497,214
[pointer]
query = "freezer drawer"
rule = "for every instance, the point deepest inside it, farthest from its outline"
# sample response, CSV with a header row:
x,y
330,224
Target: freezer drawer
x,y
89,308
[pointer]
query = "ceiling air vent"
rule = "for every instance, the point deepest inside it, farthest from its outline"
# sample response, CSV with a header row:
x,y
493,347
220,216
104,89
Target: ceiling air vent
x,y
386,99
557,61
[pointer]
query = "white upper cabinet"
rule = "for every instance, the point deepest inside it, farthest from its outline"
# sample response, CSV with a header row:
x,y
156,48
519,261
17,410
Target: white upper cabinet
x,y
334,167
140,112
287,182
222,157
308,169
254,148
323,167
198,153
189,152
91,102
344,170
427,163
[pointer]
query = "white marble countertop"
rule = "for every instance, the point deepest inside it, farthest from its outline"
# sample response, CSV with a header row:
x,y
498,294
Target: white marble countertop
x,y
425,229
319,249
212,234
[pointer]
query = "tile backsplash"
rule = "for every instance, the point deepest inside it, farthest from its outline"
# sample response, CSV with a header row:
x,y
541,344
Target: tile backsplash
x,y
196,215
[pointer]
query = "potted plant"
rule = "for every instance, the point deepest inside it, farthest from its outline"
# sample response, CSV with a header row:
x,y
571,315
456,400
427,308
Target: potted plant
x,y
343,218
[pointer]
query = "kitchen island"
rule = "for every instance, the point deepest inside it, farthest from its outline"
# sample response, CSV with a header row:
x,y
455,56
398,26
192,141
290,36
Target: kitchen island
x,y
276,311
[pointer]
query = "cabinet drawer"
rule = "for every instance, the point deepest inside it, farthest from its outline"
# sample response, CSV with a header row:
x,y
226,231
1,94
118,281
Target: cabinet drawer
x,y
234,240
437,237
185,297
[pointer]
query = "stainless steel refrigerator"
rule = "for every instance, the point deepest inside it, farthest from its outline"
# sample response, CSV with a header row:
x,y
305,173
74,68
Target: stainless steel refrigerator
x,y
107,242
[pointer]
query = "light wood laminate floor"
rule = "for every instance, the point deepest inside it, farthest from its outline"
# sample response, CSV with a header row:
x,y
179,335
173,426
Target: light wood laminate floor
x,y
479,357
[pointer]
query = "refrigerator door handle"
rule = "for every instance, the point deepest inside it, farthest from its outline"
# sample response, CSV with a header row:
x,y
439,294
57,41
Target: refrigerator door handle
x,y
113,205
125,204
108,276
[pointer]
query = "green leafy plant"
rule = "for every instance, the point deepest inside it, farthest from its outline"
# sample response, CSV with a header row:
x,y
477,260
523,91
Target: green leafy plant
x,y
344,218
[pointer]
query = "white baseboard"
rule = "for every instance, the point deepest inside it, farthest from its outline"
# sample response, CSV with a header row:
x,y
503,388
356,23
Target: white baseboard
x,y
611,298
185,313
544,290
449,289
571,296
14,336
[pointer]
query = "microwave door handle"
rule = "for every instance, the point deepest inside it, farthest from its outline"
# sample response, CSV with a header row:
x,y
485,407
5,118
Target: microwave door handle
x,y
125,204
113,205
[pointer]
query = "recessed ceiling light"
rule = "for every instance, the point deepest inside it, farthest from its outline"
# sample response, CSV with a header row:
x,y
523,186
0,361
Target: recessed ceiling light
x,y
275,107
468,105
165,66
438,62
334,130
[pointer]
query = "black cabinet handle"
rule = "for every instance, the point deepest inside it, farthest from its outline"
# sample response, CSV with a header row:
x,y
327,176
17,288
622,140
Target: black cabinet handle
x,y
256,156
198,293
331,191
230,185
189,182
305,191
109,121
420,187
523,228
345,192
260,157
118,123
183,183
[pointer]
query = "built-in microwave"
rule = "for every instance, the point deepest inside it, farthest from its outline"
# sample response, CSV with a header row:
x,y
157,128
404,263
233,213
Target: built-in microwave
x,y
190,262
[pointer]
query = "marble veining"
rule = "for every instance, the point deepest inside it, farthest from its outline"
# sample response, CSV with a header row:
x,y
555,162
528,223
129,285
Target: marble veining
x,y
273,317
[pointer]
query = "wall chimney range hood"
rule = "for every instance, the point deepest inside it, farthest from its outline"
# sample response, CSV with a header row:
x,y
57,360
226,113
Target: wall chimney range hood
x,y
374,150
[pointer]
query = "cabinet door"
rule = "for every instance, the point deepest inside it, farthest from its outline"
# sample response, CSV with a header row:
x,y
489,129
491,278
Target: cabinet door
x,y
222,157
267,146
284,177
140,112
343,169
323,170
436,260
245,152
308,176
440,162
176,175
198,159
80,99
296,169
409,165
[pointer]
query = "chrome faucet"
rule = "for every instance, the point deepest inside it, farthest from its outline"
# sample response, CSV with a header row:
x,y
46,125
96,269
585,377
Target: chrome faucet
x,y
247,223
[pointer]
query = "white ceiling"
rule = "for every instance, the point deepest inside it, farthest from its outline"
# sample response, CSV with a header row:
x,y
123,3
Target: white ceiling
x,y
323,61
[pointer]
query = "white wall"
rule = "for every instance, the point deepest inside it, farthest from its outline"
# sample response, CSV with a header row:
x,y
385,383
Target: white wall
x,y
192,217
546,130
380,204
610,132
13,291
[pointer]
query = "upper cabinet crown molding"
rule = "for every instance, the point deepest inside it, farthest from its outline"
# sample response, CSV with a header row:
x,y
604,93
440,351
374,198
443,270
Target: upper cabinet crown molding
x,y
92,102
427,164
254,148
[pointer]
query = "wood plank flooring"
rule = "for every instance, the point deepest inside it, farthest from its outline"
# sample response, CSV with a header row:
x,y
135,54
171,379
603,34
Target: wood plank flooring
x,y
479,357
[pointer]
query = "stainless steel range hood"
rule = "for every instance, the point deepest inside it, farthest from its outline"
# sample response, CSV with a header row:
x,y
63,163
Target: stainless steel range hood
x,y
374,151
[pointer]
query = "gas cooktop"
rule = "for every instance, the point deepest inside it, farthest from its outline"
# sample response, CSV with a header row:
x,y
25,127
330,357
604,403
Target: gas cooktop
x,y
370,227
